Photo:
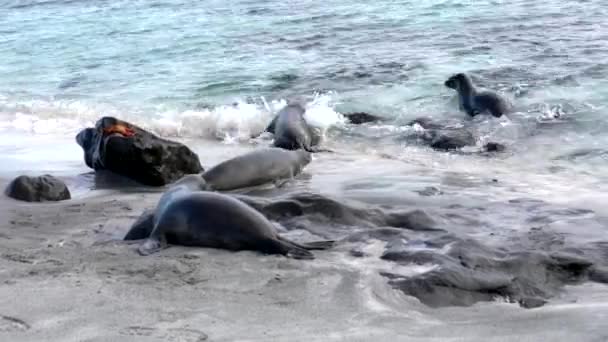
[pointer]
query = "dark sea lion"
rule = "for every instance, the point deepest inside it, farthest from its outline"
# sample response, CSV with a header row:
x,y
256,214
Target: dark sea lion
x,y
256,168
143,226
475,102
211,219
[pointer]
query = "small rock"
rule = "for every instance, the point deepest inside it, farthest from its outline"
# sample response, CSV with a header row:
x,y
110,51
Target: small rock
x,y
494,147
449,139
531,303
38,189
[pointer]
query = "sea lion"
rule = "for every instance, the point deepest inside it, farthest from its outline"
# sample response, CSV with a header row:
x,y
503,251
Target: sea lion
x,y
475,102
256,168
290,129
143,226
211,219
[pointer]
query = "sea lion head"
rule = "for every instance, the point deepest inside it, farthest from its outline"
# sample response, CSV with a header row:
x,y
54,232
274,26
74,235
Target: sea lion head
x,y
86,138
192,182
457,79
304,156
298,101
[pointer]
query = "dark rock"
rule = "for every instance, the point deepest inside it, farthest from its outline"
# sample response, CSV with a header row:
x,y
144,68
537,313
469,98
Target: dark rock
x,y
531,303
447,140
361,118
470,272
493,147
38,189
413,220
128,150
429,191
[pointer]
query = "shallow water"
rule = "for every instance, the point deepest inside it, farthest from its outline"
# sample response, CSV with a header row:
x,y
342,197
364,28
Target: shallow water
x,y
212,73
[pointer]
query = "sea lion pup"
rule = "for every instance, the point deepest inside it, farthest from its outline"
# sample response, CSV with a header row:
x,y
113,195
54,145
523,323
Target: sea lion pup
x,y
256,168
211,219
475,102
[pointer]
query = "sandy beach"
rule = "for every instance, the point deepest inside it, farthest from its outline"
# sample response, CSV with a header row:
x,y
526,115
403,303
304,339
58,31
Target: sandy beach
x,y
57,283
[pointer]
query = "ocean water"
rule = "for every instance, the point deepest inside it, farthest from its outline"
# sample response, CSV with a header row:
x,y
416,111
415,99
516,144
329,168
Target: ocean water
x,y
212,73
217,71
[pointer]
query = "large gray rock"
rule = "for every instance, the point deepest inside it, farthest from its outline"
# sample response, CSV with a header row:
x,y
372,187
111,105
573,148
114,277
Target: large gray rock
x,y
38,189
131,151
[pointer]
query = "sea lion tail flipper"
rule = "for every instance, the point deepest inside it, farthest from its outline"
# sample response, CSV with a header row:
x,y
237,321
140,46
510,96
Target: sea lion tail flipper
x,y
299,253
314,245
319,245
122,242
290,249
150,246
318,149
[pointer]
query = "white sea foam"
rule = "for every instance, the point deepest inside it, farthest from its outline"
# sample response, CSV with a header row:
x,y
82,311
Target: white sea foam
x,y
230,123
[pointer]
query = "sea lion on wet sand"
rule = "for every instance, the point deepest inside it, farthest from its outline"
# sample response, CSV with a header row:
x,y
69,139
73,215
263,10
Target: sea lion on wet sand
x,y
475,102
256,168
211,219
291,131
144,225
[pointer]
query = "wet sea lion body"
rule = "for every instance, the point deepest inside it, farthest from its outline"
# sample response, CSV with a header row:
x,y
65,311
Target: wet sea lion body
x,y
291,131
211,219
473,101
256,168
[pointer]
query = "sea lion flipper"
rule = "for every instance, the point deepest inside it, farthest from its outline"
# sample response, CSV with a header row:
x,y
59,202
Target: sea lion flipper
x,y
150,246
300,254
318,149
271,125
279,183
288,248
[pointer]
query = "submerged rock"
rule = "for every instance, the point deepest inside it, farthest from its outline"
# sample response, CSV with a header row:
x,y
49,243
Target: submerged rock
x,y
447,140
38,189
493,147
470,272
361,118
131,151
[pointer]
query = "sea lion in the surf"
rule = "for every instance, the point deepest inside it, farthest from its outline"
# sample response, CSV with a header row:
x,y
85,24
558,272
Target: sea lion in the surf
x,y
473,101
291,131
211,219
256,168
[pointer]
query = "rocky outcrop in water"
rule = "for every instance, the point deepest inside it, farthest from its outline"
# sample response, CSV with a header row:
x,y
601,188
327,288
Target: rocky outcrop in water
x,y
447,140
131,151
38,189
470,272
361,118
447,137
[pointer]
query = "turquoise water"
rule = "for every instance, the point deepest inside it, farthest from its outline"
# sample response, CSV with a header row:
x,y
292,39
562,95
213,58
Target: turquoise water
x,y
390,55
218,70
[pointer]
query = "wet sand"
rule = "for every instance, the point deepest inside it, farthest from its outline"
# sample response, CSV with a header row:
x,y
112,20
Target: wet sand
x,y
57,283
